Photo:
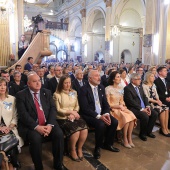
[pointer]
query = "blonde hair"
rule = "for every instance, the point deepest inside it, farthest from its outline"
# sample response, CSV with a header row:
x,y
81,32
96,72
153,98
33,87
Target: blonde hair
x,y
4,80
146,77
151,68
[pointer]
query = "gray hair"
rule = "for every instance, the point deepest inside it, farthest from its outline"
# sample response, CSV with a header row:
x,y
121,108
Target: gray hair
x,y
16,72
31,73
90,72
77,71
134,76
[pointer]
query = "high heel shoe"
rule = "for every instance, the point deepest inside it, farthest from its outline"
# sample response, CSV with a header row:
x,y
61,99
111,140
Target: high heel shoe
x,y
132,145
161,132
81,158
127,146
75,159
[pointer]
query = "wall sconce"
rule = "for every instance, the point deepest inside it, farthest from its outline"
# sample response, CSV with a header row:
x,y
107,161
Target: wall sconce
x,y
85,38
115,31
133,43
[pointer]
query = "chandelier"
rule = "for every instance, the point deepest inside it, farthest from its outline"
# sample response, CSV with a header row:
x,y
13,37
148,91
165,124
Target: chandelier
x,y
115,31
85,38
6,6
27,23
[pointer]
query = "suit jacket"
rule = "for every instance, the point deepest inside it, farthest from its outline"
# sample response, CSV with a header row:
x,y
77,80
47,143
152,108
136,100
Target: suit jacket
x,y
161,89
72,77
104,80
27,113
85,77
52,85
87,103
28,67
15,88
23,78
46,81
76,86
132,99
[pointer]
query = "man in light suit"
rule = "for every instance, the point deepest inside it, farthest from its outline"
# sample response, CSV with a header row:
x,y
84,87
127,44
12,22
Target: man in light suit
x,y
79,81
37,122
95,109
137,102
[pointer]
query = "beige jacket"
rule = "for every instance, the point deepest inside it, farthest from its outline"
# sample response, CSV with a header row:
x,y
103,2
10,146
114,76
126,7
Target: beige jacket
x,y
9,114
65,102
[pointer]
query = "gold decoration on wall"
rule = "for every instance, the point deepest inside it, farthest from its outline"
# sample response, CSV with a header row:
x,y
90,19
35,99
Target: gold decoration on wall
x,y
4,39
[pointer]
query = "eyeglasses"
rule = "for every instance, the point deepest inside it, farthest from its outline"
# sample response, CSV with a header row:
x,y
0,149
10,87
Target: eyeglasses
x,y
138,79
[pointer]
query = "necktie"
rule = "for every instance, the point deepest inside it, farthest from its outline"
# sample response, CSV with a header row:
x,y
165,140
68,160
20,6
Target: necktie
x,y
126,82
97,101
81,83
164,82
40,113
141,101
42,80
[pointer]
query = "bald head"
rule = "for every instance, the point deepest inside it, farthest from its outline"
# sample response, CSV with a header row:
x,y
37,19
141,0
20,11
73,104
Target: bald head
x,y
34,82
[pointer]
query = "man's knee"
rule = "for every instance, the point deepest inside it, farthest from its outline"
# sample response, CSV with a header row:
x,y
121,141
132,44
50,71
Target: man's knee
x,y
34,137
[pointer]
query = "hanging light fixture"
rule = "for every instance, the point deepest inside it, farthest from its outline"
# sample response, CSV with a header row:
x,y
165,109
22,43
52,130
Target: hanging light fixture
x,y
115,29
6,6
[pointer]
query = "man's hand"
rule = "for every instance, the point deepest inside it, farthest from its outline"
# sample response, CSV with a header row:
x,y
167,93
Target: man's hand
x,y
168,99
147,111
105,119
41,129
48,130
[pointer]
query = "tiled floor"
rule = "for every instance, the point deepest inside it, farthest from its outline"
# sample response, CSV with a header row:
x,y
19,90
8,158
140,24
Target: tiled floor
x,y
154,154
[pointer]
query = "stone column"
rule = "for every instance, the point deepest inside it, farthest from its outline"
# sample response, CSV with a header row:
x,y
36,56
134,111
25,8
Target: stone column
x,y
168,36
140,42
107,28
83,15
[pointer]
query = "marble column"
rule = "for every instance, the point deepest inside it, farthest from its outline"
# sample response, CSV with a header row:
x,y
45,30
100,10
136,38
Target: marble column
x,y
168,36
108,28
83,15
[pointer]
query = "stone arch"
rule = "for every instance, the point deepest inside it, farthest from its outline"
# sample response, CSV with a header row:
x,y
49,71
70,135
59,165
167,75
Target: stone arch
x,y
126,56
91,16
75,22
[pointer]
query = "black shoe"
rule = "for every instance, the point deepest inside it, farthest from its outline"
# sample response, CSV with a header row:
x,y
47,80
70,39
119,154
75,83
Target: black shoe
x,y
161,132
143,137
96,153
151,135
111,148
62,167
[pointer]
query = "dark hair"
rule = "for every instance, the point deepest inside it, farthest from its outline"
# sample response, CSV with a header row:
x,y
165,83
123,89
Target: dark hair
x,y
18,65
3,72
139,68
10,70
49,67
110,71
29,58
130,68
112,77
121,71
160,68
60,84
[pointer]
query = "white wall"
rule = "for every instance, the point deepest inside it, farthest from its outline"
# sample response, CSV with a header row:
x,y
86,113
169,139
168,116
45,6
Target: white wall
x,y
126,41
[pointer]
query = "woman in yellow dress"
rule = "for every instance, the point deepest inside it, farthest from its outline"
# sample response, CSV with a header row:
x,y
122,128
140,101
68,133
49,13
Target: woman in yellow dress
x,y
74,127
126,119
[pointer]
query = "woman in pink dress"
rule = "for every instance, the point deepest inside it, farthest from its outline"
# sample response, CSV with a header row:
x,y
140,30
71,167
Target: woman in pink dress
x,y
126,119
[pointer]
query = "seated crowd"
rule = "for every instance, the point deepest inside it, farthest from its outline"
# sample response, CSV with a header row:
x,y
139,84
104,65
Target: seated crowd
x,y
66,100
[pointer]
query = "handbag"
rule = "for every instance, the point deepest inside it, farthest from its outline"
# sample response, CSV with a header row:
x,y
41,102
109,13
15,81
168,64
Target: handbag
x,y
8,142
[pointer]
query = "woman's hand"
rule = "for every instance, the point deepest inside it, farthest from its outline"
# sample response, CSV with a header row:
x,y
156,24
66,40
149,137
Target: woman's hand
x,y
122,107
5,129
159,102
71,118
76,115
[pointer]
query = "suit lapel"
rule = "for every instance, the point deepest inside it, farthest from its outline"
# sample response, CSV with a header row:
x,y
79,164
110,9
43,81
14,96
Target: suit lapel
x,y
43,100
133,89
100,95
90,92
30,100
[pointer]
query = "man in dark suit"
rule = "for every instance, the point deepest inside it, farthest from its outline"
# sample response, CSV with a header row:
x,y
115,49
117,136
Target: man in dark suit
x,y
163,88
137,102
44,80
53,82
79,81
29,64
105,77
37,122
96,112
18,67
